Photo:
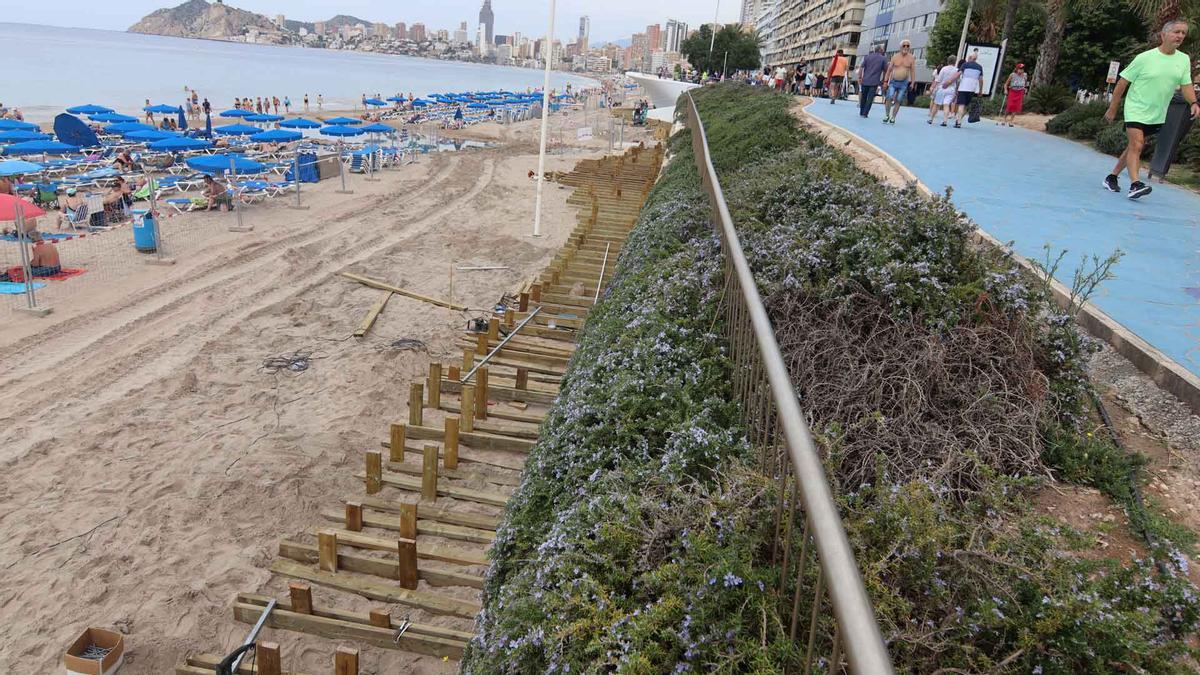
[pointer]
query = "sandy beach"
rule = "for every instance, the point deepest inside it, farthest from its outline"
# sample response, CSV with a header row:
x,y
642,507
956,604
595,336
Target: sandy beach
x,y
151,465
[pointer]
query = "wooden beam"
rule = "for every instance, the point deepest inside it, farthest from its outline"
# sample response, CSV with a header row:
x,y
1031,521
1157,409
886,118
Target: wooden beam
x,y
407,568
408,520
467,401
374,462
450,443
396,446
497,393
206,664
345,661
429,474
327,557
415,403
477,440
266,657
522,378
499,414
383,285
399,480
468,361
472,457
435,385
440,513
481,393
481,344
493,332
301,597
425,527
378,590
387,568
489,476
381,618
369,319
354,516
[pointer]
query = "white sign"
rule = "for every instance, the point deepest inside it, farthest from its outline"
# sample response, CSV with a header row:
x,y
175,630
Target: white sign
x,y
583,133
988,58
1114,68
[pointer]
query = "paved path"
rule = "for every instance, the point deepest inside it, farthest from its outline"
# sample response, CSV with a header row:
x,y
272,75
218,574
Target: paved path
x,y
1034,189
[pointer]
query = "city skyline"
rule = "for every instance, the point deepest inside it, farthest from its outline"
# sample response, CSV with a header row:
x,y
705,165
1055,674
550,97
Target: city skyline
x,y
621,19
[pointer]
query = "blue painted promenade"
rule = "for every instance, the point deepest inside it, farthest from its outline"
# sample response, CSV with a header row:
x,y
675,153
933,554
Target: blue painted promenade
x,y
1034,189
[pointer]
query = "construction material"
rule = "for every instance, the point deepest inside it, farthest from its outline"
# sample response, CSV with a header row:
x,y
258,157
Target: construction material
x,y
253,634
429,474
345,661
415,403
384,286
434,385
374,462
482,269
450,442
369,319
396,446
81,657
378,590
496,350
479,441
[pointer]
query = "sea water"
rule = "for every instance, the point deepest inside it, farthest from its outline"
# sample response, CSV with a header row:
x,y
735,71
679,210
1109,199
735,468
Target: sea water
x,y
48,69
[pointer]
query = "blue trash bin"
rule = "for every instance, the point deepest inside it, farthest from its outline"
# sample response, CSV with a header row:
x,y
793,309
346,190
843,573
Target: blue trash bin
x,y
143,231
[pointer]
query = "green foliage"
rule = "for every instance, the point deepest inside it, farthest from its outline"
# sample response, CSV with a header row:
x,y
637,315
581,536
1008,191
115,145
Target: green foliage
x,y
742,46
1086,130
1051,99
1112,141
922,102
944,36
1061,123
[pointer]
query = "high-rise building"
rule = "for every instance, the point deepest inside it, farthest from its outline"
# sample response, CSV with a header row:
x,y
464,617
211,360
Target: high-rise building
x,y
381,30
498,40
889,26
417,33
460,35
585,28
442,35
488,20
674,35
401,31
653,37
280,20
802,31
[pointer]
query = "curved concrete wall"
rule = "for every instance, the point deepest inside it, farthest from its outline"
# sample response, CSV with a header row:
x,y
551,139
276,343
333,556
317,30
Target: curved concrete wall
x,y
662,93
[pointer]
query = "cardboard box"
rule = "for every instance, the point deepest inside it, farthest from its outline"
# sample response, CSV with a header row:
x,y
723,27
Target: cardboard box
x,y
111,663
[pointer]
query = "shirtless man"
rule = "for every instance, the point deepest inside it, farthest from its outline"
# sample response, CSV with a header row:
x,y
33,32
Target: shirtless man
x,y
896,81
217,194
45,260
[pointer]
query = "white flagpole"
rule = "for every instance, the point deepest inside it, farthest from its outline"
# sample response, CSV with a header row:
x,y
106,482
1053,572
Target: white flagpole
x,y
548,54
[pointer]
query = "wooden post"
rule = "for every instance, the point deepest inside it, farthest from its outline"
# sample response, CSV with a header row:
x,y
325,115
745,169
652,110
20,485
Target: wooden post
x,y
416,396
468,359
408,521
381,618
301,597
407,549
327,551
454,374
481,393
522,378
345,661
354,517
266,655
467,407
396,444
481,345
524,303
535,293
429,474
435,385
450,441
509,316
493,328
374,471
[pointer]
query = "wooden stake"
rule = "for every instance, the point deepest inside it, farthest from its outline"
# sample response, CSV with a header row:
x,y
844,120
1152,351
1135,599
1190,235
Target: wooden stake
x,y
435,385
416,397
407,549
345,661
374,471
450,453
522,378
396,444
535,293
493,329
481,345
467,407
508,317
354,517
429,474
481,393
266,656
524,303
408,521
301,597
468,359
454,374
327,551
369,320
381,618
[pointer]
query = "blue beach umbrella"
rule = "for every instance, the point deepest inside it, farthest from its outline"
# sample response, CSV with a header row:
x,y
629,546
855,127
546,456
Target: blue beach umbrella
x,y
182,121
18,167
234,112
161,108
300,123
375,102
277,136
216,164
126,127
237,130
477,106
264,118
17,125
89,109
340,130
18,135
150,136
378,129
111,117
180,143
397,99
343,121
420,103
40,148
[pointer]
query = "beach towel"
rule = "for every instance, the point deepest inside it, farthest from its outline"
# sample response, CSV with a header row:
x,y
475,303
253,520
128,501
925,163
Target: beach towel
x,y
12,288
63,274
45,235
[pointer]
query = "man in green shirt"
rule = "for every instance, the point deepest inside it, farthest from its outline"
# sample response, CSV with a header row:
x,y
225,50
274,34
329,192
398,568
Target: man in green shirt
x,y
1151,80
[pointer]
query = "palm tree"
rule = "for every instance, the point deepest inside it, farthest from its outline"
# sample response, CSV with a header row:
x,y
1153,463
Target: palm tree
x,y
1010,17
1051,47
1162,11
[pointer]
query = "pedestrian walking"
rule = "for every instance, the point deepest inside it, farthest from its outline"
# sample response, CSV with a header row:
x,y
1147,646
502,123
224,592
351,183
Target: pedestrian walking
x,y
287,105
1014,94
275,100
837,74
306,103
1147,85
943,92
970,84
870,74
896,82
320,101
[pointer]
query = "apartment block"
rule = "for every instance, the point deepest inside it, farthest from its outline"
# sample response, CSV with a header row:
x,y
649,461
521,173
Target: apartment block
x,y
809,32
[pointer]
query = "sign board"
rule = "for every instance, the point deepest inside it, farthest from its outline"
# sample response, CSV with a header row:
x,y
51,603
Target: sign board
x,y
583,133
988,57
1114,68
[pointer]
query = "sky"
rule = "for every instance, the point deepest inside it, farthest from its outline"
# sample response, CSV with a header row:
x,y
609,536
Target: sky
x,y
611,19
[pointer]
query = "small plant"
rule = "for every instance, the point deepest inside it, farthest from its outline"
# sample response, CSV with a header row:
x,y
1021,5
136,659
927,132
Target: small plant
x,y
1086,130
1049,99
1061,123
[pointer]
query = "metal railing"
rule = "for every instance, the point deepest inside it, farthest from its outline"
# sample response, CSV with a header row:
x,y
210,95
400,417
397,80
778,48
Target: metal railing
x,y
778,429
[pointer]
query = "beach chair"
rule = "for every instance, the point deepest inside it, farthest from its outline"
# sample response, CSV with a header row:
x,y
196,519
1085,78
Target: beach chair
x,y
79,217
184,204
252,191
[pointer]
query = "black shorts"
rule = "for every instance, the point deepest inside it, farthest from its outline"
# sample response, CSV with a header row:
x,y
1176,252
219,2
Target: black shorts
x,y
837,79
965,97
1147,129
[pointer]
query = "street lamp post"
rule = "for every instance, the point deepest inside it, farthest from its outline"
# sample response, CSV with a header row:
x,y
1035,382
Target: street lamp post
x,y
541,177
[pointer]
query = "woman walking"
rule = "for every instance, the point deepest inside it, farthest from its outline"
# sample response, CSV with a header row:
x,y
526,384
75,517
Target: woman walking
x,y
942,92
1014,94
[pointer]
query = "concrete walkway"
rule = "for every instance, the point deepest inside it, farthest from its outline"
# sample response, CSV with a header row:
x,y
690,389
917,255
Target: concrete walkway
x,y
1035,189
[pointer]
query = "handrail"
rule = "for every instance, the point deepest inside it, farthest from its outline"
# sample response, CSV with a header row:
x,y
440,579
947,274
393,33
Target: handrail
x,y
857,626
496,350
603,267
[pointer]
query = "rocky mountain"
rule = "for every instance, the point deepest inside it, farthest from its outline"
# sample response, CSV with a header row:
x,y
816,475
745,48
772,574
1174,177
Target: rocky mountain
x,y
203,19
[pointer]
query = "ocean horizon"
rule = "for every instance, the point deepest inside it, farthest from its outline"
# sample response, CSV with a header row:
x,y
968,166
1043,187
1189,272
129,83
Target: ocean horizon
x,y
51,68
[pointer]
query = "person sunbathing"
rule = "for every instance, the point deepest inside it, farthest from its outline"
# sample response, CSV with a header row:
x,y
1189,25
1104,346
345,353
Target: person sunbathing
x,y
44,262
69,203
217,194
